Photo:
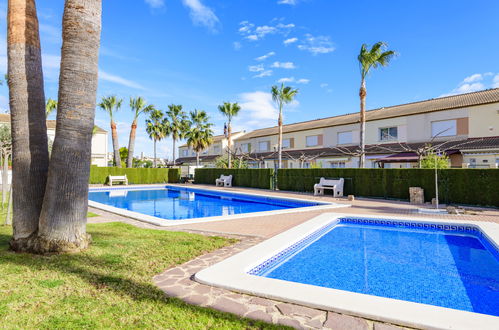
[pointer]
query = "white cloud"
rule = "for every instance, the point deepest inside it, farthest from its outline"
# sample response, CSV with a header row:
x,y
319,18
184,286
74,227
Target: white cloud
x,y
303,81
50,33
496,81
290,41
254,33
264,57
292,79
473,78
266,73
325,86
287,2
201,15
317,45
155,3
283,65
236,45
256,68
257,110
252,37
119,80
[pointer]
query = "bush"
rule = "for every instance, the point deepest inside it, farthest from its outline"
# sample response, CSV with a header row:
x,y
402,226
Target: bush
x,y
99,175
459,186
254,178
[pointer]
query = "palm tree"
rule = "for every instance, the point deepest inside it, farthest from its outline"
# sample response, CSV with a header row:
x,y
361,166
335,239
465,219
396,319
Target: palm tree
x,y
111,104
230,110
62,224
30,157
177,126
282,95
50,106
369,59
155,127
138,106
200,136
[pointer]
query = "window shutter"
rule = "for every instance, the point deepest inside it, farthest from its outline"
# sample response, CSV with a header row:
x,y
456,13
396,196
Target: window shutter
x,y
320,139
249,147
292,142
462,126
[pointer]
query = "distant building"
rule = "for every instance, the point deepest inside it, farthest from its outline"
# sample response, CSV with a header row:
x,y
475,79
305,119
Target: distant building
x,y
466,125
99,140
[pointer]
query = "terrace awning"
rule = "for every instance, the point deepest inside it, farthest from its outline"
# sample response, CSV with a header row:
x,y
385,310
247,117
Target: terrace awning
x,y
408,157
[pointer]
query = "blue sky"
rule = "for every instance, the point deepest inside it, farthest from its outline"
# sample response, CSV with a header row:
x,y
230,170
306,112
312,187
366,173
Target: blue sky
x,y
199,53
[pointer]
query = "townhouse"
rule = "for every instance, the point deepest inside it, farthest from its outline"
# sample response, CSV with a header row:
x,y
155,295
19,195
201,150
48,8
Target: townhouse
x,y
99,140
465,127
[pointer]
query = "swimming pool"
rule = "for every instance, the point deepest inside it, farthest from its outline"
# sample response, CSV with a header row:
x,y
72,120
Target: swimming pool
x,y
175,205
413,272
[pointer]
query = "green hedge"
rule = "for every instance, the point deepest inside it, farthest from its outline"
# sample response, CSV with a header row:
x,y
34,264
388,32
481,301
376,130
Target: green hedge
x,y
459,186
98,175
254,178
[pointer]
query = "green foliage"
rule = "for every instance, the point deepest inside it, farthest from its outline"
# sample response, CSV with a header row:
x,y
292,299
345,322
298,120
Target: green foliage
x,y
374,57
50,107
99,175
123,152
459,186
223,161
432,160
5,135
108,285
254,178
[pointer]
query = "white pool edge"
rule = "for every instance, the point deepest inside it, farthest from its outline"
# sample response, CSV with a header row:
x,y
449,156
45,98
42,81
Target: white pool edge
x,y
167,223
232,274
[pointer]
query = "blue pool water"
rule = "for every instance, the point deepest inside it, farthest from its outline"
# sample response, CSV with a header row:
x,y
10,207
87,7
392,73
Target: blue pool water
x,y
185,203
454,269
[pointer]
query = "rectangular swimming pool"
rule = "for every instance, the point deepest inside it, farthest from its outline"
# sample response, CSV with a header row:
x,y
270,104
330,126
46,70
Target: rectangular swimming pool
x,y
414,272
179,203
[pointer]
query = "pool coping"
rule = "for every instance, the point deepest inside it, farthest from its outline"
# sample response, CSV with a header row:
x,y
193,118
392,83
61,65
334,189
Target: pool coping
x,y
232,274
166,223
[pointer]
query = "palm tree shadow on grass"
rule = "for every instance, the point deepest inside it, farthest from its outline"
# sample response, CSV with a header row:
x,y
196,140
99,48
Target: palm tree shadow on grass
x,y
74,264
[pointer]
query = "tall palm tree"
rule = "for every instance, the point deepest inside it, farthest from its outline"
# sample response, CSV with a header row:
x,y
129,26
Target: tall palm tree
x,y
200,135
369,59
138,106
30,157
155,127
177,126
282,95
62,225
50,107
111,104
230,110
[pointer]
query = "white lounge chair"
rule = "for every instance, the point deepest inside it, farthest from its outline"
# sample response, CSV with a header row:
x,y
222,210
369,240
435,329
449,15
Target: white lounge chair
x,y
335,185
224,181
118,178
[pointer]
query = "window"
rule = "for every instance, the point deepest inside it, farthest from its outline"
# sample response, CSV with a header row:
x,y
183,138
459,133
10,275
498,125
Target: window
x,y
443,128
264,146
312,141
245,147
388,133
216,149
345,137
286,143
185,153
338,164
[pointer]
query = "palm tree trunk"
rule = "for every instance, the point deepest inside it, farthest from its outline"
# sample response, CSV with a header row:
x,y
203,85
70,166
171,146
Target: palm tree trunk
x,y
116,146
279,142
131,144
154,164
173,151
30,159
197,158
62,226
229,134
362,94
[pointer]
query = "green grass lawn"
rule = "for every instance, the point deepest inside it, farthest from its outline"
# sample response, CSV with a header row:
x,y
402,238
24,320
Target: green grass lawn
x,y
107,286
92,215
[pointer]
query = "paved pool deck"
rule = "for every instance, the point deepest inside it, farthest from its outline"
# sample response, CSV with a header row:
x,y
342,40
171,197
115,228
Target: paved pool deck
x,y
178,281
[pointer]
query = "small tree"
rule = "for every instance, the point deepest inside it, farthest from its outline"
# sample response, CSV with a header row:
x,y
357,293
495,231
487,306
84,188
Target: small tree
x,y
223,162
433,160
229,110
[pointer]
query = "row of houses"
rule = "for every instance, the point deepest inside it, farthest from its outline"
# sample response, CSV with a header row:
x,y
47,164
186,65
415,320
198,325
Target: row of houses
x,y
465,127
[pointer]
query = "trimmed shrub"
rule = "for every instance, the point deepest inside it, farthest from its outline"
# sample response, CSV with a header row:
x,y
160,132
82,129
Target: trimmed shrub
x,y
459,186
254,178
99,175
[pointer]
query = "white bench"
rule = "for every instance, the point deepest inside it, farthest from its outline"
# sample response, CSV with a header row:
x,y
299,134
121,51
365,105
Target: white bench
x,y
335,185
224,181
117,178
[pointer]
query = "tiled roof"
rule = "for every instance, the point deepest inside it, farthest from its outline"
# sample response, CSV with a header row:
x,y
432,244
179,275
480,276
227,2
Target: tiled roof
x,y
437,104
216,138
5,118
